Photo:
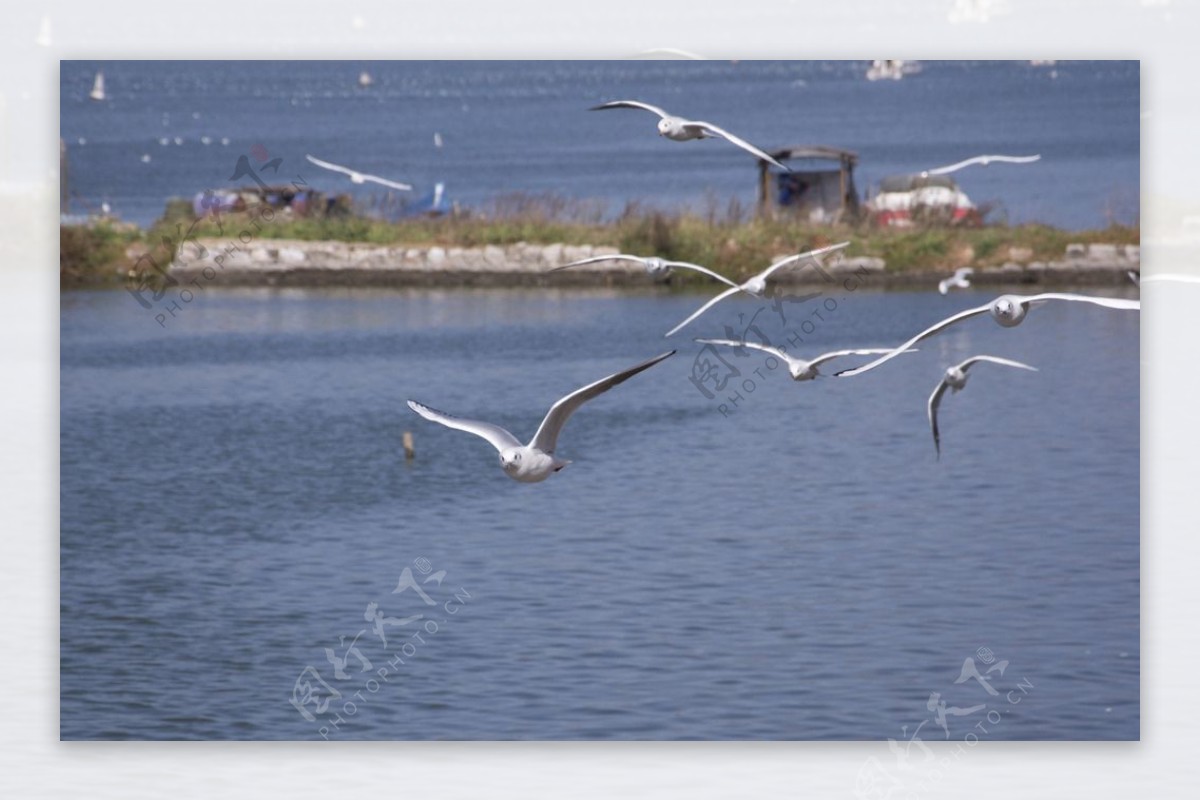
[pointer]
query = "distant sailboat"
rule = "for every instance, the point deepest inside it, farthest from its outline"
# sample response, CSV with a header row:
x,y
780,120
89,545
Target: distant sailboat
x,y
97,92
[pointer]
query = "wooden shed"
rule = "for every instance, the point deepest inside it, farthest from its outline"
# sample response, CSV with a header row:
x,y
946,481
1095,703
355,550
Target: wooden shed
x,y
815,189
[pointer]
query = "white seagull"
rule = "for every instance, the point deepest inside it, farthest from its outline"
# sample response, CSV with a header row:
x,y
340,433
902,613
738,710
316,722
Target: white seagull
x,y
536,461
669,51
656,267
983,161
679,129
757,285
956,378
358,177
959,280
1007,310
800,369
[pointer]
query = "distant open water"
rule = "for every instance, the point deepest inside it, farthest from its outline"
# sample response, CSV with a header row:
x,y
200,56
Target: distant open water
x,y
523,127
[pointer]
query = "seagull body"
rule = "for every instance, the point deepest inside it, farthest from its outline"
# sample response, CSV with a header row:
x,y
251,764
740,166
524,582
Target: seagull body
x,y
955,379
536,461
679,129
799,369
1007,310
656,267
757,285
983,161
959,279
359,177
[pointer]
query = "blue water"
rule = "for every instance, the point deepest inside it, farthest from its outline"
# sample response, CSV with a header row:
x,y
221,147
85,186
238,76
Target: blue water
x,y
522,127
799,565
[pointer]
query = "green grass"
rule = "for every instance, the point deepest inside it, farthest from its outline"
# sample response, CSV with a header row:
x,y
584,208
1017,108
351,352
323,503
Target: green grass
x,y
89,255
730,242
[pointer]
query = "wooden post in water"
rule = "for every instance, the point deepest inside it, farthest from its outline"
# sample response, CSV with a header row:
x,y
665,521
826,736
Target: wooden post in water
x,y
408,445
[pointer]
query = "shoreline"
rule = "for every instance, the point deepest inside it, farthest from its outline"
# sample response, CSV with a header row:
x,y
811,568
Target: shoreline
x,y
304,263
275,250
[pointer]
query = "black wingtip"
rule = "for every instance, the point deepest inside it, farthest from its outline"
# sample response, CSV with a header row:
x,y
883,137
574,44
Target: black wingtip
x,y
664,356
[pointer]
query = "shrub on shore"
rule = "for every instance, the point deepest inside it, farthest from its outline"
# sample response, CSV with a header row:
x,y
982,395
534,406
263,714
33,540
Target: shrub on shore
x,y
729,241
92,254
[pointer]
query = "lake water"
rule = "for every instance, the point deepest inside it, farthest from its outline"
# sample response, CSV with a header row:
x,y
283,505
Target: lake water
x,y
523,127
234,496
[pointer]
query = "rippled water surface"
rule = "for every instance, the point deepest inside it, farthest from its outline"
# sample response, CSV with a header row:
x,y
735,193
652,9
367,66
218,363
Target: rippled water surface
x,y
795,566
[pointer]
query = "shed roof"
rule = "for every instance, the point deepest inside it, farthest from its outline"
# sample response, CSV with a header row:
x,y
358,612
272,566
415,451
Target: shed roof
x,y
814,152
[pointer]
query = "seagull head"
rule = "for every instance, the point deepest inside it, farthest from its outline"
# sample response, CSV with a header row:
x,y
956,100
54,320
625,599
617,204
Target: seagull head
x,y
510,460
664,127
356,178
756,286
1008,310
656,267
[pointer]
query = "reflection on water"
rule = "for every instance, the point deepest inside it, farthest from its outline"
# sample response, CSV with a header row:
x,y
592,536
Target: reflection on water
x,y
234,499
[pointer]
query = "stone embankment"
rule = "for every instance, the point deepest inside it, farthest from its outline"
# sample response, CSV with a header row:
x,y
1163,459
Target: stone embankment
x,y
304,263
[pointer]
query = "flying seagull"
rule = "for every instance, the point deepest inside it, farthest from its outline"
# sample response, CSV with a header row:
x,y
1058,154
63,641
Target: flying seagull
x,y
359,177
656,267
536,461
956,378
757,285
1007,310
800,369
980,160
959,280
682,130
674,52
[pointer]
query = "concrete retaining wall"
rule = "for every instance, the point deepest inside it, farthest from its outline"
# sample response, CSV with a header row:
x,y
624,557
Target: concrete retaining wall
x,y
305,263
